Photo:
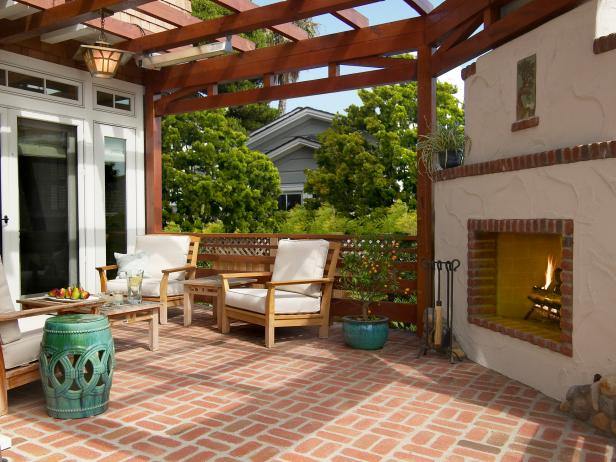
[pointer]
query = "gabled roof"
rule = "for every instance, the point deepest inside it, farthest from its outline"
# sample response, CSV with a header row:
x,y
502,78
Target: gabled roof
x,y
296,116
292,145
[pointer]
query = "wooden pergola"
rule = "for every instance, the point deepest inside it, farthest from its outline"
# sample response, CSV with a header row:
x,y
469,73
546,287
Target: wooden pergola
x,y
441,37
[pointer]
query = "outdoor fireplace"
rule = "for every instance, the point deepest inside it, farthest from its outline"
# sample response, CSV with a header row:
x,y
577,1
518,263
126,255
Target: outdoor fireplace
x,y
520,279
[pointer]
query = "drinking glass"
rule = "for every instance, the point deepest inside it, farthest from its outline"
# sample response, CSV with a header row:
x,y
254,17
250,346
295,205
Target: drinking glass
x,y
134,280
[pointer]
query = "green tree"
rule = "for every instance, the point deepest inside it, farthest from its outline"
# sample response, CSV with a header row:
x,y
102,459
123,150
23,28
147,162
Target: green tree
x,y
210,176
367,159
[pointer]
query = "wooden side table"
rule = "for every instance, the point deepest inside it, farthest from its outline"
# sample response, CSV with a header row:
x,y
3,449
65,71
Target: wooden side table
x,y
129,314
210,286
43,302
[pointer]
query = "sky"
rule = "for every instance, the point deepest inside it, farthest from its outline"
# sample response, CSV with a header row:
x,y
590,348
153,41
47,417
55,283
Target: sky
x,y
378,13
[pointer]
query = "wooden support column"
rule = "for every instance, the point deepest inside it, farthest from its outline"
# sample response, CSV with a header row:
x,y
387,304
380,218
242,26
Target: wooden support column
x,y
426,117
153,167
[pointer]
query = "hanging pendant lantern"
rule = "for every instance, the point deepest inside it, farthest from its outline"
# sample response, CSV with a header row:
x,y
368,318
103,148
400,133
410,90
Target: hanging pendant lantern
x,y
101,59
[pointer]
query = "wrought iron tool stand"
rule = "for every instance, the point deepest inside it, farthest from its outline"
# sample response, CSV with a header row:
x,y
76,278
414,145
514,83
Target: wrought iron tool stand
x,y
430,314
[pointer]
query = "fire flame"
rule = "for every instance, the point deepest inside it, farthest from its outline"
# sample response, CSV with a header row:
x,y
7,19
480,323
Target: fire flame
x,y
549,272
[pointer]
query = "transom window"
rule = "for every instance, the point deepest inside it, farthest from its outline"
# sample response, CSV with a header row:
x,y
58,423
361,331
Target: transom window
x,y
107,99
30,82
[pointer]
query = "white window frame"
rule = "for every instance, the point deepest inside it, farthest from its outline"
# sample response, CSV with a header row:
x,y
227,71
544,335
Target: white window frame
x,y
97,107
45,76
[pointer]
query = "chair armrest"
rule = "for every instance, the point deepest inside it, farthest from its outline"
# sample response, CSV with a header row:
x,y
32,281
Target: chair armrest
x,y
4,317
106,268
180,268
299,281
224,276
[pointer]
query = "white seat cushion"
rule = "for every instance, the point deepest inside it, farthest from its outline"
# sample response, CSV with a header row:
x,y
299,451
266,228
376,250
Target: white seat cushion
x,y
164,252
27,348
300,259
9,331
286,302
150,287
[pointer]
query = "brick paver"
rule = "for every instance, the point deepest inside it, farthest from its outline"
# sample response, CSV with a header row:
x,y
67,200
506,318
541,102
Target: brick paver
x,y
204,396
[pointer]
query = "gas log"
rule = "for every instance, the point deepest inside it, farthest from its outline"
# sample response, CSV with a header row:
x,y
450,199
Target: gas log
x,y
546,299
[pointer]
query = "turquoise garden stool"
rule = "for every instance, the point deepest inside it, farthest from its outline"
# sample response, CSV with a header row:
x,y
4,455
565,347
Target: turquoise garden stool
x,y
76,365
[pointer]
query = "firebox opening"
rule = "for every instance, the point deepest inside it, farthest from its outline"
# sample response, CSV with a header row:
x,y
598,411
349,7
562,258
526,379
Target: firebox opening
x,y
525,262
520,276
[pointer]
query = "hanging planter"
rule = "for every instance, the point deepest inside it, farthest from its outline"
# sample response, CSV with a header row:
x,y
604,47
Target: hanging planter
x,y
446,147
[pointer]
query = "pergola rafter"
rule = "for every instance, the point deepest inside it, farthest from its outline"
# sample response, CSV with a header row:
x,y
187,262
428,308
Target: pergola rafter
x,y
165,12
288,30
257,18
423,7
396,37
328,84
58,17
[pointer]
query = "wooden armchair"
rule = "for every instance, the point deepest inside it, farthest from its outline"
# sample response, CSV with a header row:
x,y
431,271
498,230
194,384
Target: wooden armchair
x,y
297,293
171,260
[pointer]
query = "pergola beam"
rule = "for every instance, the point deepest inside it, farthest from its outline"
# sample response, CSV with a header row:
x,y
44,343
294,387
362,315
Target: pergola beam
x,y
175,16
396,37
352,18
423,7
449,15
257,18
59,17
288,30
461,33
293,90
520,21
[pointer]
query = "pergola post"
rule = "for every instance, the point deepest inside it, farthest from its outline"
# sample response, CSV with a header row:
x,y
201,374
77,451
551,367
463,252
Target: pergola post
x,y
426,117
153,167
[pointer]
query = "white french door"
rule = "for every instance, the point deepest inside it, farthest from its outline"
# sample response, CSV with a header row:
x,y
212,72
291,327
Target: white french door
x,y
117,191
41,163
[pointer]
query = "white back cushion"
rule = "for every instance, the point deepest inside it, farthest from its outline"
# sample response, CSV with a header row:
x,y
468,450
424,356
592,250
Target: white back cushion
x,y
164,252
9,331
300,259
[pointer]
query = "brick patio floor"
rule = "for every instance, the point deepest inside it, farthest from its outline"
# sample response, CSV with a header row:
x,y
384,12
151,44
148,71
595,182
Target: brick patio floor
x,y
208,397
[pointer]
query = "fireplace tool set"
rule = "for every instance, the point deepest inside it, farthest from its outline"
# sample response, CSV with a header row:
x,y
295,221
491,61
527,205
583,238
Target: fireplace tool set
x,y
438,318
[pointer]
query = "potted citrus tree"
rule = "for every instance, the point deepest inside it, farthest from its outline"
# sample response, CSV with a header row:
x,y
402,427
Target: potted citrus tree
x,y
446,146
368,274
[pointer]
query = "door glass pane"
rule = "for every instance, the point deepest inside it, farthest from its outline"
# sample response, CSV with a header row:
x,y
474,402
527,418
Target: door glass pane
x,y
115,196
47,205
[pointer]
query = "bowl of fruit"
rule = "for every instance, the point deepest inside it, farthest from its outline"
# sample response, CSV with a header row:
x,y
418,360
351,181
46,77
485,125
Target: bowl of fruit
x,y
70,294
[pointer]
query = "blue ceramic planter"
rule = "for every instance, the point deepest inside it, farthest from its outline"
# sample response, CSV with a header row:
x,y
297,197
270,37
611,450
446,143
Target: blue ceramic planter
x,y
365,335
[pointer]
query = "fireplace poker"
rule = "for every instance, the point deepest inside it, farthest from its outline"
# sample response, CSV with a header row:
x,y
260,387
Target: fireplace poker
x,y
451,267
438,307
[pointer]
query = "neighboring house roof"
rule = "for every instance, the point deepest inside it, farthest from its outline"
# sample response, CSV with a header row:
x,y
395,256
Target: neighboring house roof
x,y
295,117
291,146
